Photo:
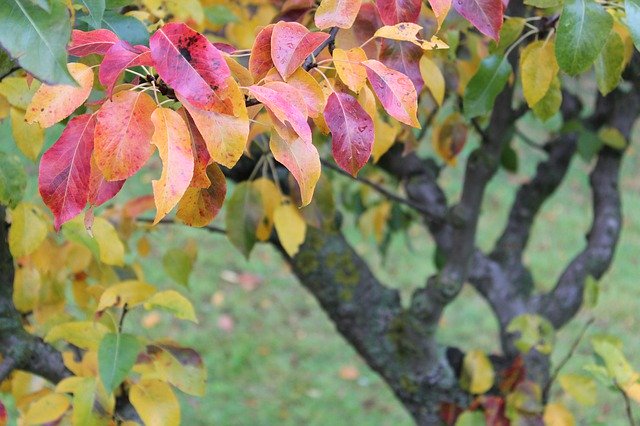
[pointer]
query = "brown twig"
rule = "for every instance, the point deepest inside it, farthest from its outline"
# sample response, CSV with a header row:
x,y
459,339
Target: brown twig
x,y
166,221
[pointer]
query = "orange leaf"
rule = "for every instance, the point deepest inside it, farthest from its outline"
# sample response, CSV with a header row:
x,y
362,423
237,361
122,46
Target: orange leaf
x,y
199,206
123,134
302,160
337,13
51,104
171,136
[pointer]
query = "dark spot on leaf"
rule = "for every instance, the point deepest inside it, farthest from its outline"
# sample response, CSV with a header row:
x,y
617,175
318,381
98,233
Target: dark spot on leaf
x,y
185,53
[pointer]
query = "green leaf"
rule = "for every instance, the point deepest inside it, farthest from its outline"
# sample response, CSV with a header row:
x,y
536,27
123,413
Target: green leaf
x,y
127,28
543,4
535,331
588,145
6,63
178,265
582,32
75,231
95,10
581,388
591,291
220,15
471,418
614,360
116,356
511,30
244,211
609,64
509,159
632,8
43,4
37,39
612,137
485,86
13,180
550,103
173,302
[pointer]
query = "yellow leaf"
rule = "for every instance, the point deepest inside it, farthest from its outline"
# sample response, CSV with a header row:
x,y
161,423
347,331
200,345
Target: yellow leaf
x,y
433,79
385,133
349,69
29,229
181,367
52,104
633,391
69,384
111,248
131,293
581,388
375,219
404,31
173,302
26,288
310,90
91,404
29,138
47,409
155,402
290,226
83,334
270,196
538,67
171,136
18,92
477,372
556,414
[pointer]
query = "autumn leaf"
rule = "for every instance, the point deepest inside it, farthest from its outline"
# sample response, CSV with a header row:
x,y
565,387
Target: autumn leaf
x,y
29,138
477,372
244,210
131,293
29,229
100,189
301,159
485,15
395,11
65,170
260,61
395,91
349,67
85,43
291,44
47,409
155,402
337,13
201,156
52,104
440,10
123,134
404,57
310,90
290,226
191,65
538,67
120,56
433,79
351,130
173,302
171,137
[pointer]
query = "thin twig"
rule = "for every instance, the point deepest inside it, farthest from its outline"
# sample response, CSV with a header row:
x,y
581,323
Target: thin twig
x,y
627,404
528,141
6,367
125,309
566,358
167,221
379,188
310,62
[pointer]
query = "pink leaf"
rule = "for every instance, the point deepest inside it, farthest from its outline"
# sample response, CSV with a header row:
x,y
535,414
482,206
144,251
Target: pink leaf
x,y
396,92
260,60
100,189
337,13
202,159
65,169
85,43
291,44
351,130
395,11
404,57
189,63
485,15
120,56
283,109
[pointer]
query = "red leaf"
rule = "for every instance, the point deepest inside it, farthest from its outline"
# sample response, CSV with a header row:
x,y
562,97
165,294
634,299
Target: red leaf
x,y
260,60
3,414
485,15
65,169
494,411
201,157
123,134
85,43
449,413
291,44
512,376
396,92
395,11
351,129
120,56
191,65
403,56
100,189
283,110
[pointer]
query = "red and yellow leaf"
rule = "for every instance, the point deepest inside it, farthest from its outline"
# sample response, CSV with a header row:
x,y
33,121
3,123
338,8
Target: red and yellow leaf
x,y
120,56
199,206
291,44
65,170
260,61
171,136
349,68
395,11
51,104
337,13
301,159
201,157
123,134
100,189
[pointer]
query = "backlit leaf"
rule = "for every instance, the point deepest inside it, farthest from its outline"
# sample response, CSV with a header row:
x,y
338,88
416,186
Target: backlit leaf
x,y
244,211
120,56
100,189
131,293
260,61
395,11
477,372
352,131
191,65
116,356
582,33
403,57
199,206
109,244
155,402
433,79
485,15
13,180
440,9
85,43
538,67
337,13
349,68
29,138
29,228
301,159
171,136
485,86
201,156
614,360
290,226
173,302
395,91
65,170
83,334
123,134
291,44
37,39
51,104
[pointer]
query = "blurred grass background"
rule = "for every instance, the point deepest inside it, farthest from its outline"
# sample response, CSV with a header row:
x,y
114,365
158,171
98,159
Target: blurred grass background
x,y
273,357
